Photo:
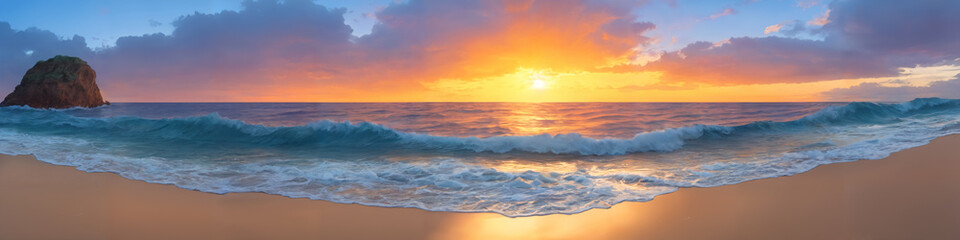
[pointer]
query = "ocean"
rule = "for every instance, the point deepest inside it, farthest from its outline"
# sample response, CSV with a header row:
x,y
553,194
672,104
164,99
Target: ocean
x,y
515,159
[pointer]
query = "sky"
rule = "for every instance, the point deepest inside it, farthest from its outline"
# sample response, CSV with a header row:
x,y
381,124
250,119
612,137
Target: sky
x,y
494,50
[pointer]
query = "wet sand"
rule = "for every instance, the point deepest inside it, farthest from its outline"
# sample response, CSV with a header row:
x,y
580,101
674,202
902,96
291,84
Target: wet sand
x,y
913,194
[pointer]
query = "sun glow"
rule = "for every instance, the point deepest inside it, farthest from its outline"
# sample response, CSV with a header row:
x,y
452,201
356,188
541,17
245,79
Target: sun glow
x,y
538,84
538,80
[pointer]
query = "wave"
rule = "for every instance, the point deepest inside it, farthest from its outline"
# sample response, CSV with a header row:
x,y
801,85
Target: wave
x,y
869,112
349,162
213,128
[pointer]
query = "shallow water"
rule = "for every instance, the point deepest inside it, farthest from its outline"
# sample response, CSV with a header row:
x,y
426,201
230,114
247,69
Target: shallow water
x,y
517,159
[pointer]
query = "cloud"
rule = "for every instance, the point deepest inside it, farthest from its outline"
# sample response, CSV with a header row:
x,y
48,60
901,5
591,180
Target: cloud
x,y
787,28
21,49
724,12
297,50
878,92
861,39
766,60
927,29
222,55
154,23
485,38
821,20
775,28
806,4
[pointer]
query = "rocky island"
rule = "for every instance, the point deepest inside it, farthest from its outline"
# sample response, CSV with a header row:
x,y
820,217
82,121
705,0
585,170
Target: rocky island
x,y
58,82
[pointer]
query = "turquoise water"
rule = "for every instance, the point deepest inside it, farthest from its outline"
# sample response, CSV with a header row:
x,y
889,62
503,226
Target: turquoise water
x,y
516,159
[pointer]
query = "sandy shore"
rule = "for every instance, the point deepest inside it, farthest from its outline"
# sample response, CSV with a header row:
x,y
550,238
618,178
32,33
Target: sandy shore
x,y
914,194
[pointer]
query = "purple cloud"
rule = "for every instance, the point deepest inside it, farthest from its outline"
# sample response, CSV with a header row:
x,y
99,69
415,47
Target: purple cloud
x,y
21,49
863,38
767,60
927,28
877,92
231,50
298,50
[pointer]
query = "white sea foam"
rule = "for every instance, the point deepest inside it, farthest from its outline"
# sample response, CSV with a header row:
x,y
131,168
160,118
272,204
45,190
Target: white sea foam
x,y
374,165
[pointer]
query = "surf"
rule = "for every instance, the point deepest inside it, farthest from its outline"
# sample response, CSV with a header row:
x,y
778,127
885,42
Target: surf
x,y
514,175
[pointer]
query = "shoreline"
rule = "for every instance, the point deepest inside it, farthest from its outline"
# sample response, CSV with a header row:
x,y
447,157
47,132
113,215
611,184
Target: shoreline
x,y
912,194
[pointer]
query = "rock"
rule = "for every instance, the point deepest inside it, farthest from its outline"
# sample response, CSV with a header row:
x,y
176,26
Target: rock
x,y
59,82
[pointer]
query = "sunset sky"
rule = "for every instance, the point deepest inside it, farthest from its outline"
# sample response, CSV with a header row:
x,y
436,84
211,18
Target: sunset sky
x,y
493,50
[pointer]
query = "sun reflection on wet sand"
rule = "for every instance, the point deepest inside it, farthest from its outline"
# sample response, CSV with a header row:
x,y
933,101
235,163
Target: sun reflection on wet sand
x,y
594,224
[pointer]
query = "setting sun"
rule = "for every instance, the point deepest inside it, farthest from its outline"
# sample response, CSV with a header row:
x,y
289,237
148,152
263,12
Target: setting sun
x,y
538,84
480,119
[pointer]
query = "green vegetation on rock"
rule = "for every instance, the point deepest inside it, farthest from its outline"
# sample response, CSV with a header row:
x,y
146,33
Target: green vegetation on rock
x,y
64,69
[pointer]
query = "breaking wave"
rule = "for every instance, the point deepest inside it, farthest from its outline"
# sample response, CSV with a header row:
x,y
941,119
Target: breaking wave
x,y
373,164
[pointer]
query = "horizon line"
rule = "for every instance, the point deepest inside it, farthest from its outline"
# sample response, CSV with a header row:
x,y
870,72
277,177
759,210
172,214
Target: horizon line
x,y
112,102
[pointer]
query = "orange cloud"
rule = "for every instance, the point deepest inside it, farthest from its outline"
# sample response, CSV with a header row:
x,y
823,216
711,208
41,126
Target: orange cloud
x,y
821,20
495,38
299,51
725,12
477,50
775,28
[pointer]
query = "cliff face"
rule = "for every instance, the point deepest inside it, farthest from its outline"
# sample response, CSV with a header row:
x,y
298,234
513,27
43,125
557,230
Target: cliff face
x,y
59,82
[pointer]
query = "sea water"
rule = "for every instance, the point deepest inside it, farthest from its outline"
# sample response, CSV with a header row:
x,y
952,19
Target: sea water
x,y
516,159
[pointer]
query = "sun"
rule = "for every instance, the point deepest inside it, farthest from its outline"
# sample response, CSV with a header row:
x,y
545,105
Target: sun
x,y
538,84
